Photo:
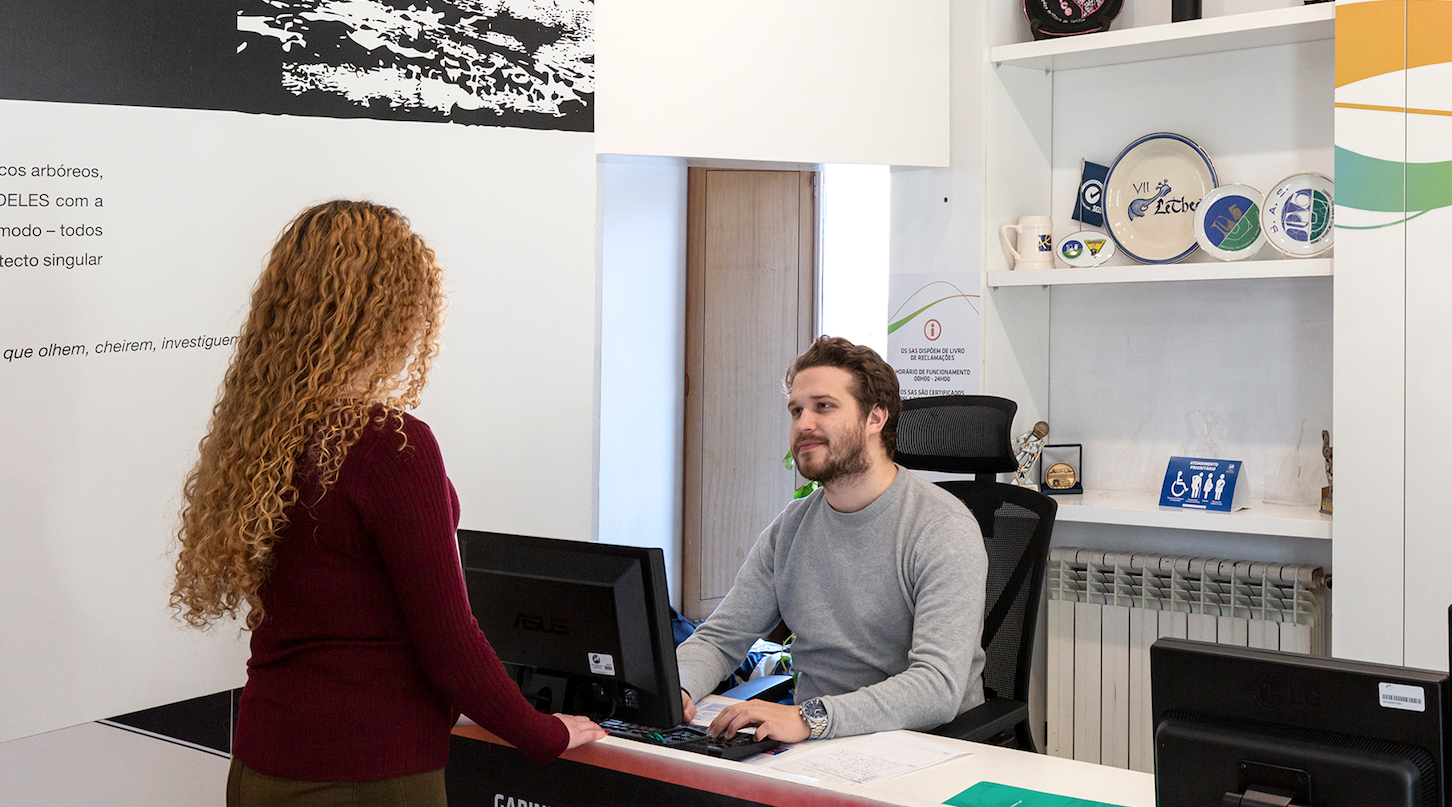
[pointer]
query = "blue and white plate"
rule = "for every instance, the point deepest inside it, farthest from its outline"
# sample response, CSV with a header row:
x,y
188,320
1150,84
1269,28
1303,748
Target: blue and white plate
x,y
1151,194
1297,215
1227,222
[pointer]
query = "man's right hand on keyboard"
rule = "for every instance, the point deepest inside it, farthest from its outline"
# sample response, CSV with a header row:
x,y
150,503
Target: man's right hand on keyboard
x,y
689,705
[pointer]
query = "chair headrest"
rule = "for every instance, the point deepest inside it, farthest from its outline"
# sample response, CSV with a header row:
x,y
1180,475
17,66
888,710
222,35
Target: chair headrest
x,y
965,434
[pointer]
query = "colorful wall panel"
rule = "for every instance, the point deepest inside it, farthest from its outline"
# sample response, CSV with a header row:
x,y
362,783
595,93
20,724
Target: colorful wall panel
x,y
1429,341
1392,556
1369,311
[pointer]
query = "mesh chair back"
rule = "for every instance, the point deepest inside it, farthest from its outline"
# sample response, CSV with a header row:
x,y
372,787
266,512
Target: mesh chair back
x,y
961,434
971,434
1017,524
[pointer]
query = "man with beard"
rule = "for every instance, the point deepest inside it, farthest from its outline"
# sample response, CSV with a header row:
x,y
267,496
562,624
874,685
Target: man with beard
x,y
880,573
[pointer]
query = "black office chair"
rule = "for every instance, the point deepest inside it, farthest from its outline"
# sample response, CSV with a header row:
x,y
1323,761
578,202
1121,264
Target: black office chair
x,y
971,434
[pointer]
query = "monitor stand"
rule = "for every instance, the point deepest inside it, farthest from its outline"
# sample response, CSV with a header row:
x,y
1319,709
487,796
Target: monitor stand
x,y
1263,785
545,693
552,694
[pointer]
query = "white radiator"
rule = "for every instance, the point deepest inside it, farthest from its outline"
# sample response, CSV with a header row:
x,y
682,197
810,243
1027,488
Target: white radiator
x,y
1106,608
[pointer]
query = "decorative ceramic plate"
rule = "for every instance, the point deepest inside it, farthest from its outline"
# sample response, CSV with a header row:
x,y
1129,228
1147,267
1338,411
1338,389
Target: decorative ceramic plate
x,y
1085,248
1151,194
1055,18
1227,222
1297,215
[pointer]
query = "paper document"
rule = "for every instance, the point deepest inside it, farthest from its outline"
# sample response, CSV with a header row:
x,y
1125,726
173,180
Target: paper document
x,y
709,707
859,761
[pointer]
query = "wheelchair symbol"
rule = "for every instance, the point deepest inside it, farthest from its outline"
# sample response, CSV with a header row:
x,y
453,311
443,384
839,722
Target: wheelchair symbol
x,y
1178,487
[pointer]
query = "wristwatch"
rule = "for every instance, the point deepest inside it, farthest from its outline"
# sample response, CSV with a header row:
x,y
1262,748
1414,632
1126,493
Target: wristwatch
x,y
814,713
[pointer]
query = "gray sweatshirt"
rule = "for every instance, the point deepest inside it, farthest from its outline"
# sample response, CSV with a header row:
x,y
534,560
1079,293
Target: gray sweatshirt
x,y
887,605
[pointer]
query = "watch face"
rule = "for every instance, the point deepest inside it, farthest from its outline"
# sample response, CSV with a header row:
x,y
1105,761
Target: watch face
x,y
815,715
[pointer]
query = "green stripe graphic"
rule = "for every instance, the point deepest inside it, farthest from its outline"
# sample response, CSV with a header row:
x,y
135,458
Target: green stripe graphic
x,y
1387,186
892,325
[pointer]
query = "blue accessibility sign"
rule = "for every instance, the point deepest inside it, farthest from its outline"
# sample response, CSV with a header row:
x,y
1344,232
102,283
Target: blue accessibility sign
x,y
1194,483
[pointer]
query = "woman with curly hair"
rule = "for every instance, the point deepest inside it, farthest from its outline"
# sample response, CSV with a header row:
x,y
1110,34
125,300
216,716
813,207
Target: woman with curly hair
x,y
322,511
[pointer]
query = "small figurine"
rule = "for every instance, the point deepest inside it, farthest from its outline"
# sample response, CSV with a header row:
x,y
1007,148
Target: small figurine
x,y
1026,450
1326,491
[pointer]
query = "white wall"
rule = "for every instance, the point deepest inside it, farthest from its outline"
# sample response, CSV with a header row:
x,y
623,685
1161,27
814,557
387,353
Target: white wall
x,y
96,446
822,81
1256,354
937,213
854,204
642,357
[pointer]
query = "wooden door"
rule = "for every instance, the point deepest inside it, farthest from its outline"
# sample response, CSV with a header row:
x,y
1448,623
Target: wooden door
x,y
749,310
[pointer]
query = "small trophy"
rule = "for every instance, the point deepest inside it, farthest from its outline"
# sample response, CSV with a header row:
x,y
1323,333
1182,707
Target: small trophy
x,y
1026,450
1326,491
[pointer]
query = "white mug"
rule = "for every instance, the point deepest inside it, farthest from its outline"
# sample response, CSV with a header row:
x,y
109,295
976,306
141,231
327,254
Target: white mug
x,y
1035,242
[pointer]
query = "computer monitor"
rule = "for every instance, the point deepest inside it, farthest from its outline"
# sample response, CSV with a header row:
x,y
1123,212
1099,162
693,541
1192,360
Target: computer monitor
x,y
583,628
1237,726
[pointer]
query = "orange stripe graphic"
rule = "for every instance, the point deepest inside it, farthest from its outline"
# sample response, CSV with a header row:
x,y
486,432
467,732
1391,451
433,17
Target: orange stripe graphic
x,y
1429,23
1397,109
1371,39
1385,36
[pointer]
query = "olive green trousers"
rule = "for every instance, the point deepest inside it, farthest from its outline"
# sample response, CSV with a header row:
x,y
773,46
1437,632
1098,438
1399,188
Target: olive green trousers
x,y
248,788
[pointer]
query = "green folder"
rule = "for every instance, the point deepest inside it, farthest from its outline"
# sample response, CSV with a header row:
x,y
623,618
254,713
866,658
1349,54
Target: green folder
x,y
992,794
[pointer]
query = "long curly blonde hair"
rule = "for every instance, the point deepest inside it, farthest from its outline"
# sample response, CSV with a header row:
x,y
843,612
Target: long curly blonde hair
x,y
343,328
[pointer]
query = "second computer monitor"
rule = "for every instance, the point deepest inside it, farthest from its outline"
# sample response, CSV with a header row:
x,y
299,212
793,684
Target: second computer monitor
x,y
583,628
1235,725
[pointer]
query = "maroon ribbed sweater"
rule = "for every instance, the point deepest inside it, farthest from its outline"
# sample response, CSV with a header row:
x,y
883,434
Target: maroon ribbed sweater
x,y
369,651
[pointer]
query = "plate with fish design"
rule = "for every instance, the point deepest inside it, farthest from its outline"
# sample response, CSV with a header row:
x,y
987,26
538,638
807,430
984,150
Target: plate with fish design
x,y
1151,194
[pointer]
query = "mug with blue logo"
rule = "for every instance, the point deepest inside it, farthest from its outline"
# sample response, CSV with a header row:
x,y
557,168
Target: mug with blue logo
x,y
1035,242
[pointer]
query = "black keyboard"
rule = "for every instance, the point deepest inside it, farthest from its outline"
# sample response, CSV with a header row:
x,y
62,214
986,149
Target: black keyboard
x,y
690,738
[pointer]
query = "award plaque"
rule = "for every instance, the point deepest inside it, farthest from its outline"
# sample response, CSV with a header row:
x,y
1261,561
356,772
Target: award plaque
x,y
1062,468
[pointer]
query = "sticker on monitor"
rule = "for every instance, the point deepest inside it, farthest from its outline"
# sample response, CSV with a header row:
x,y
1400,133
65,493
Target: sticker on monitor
x,y
602,664
1402,696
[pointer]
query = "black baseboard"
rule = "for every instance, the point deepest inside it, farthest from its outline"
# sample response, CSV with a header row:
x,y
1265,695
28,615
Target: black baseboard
x,y
207,722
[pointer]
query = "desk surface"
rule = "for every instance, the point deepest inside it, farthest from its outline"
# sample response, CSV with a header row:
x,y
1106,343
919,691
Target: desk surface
x,y
931,786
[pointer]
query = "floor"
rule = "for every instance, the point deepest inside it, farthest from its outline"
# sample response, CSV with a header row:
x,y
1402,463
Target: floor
x,y
96,765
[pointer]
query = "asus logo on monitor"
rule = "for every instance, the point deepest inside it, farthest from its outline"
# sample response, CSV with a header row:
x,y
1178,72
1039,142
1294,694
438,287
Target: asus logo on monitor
x,y
1272,693
555,625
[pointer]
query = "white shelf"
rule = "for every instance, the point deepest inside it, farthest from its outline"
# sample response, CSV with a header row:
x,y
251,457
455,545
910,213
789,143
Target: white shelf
x,y
1282,26
1143,510
1152,273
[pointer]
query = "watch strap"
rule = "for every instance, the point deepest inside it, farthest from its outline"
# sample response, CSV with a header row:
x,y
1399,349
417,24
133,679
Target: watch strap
x,y
814,714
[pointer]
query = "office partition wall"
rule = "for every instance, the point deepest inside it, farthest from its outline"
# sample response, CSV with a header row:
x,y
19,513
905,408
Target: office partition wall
x,y
130,236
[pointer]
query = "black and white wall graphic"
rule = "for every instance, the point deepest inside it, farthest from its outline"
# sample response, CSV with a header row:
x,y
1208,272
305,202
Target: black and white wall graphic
x,y
519,63
150,152
473,61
